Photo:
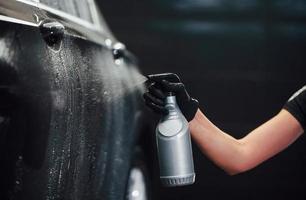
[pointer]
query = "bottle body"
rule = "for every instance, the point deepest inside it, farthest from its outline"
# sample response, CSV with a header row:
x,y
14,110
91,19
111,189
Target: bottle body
x,y
174,147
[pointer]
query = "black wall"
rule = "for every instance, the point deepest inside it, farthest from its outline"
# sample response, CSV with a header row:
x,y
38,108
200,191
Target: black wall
x,y
242,60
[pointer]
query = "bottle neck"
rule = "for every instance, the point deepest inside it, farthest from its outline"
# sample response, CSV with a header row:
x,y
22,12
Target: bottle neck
x,y
173,108
171,105
170,99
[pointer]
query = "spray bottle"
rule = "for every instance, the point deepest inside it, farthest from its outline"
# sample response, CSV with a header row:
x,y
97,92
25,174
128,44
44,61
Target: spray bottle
x,y
174,147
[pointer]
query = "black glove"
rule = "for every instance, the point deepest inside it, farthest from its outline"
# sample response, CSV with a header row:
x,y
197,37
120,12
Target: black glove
x,y
161,84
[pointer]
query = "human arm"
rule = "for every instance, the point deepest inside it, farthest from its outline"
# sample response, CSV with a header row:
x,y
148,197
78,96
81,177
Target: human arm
x,y
238,155
232,155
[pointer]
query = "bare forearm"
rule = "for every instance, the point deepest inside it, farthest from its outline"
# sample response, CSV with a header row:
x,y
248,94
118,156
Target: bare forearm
x,y
235,155
221,148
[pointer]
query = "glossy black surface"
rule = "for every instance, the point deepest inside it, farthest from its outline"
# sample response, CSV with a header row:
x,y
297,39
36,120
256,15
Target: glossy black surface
x,y
52,32
68,118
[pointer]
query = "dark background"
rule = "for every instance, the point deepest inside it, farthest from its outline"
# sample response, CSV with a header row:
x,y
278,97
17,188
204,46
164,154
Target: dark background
x,y
242,59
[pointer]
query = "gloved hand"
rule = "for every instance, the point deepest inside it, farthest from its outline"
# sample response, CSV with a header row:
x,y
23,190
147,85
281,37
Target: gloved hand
x,y
161,84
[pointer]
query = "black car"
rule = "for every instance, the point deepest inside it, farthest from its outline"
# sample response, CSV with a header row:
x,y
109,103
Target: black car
x,y
70,110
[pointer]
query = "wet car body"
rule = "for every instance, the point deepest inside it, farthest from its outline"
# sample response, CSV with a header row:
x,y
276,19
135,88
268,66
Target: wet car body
x,y
70,110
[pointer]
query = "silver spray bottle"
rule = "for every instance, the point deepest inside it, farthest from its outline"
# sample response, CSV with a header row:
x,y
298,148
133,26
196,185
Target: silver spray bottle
x,y
174,147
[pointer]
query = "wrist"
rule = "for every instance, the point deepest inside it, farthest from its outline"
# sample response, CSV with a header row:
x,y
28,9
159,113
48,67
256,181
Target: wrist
x,y
200,121
197,121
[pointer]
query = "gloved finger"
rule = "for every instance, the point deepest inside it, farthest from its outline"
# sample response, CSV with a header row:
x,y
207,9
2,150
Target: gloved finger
x,y
171,77
156,91
150,98
173,87
156,108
